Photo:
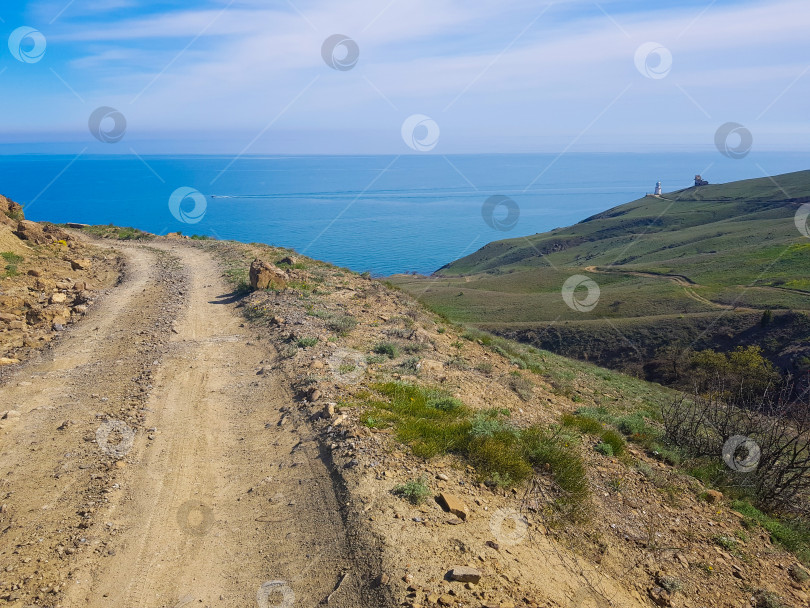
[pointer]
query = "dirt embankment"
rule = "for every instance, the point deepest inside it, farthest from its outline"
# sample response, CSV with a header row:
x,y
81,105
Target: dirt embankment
x,y
48,280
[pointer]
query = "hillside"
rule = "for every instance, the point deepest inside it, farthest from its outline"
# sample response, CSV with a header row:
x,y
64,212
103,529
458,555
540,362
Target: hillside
x,y
693,268
234,423
48,281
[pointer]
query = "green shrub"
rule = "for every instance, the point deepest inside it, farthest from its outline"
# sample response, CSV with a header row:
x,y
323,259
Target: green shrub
x,y
433,423
567,467
669,583
410,365
116,232
585,424
500,457
11,257
444,403
614,440
604,448
413,347
792,534
485,367
306,342
798,574
489,423
389,349
767,599
633,424
17,215
592,426
342,324
727,542
414,491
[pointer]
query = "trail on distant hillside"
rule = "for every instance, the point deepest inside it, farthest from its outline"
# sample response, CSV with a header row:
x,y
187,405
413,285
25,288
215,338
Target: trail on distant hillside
x,y
149,461
686,283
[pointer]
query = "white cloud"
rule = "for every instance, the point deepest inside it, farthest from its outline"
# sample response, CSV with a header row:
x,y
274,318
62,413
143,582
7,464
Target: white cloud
x,y
251,61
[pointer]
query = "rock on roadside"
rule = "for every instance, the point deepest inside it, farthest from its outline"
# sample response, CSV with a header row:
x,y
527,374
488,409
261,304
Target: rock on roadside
x,y
264,275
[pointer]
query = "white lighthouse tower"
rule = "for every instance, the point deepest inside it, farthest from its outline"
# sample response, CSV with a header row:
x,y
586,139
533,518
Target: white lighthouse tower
x,y
658,189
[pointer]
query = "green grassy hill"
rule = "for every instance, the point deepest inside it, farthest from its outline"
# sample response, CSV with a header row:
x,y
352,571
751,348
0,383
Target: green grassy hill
x,y
694,268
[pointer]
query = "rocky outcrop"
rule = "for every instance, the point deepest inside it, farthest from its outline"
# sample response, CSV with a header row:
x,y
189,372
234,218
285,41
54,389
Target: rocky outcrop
x,y
10,212
33,232
81,264
264,275
56,233
40,234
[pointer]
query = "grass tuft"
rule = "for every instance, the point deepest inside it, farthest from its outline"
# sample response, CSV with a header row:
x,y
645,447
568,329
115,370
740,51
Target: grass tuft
x,y
389,349
415,491
433,423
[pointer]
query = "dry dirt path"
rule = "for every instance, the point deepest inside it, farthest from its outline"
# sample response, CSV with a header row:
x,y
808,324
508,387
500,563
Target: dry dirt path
x,y
214,501
686,283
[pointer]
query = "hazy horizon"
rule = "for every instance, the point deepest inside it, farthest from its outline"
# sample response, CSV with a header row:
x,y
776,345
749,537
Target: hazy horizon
x,y
250,77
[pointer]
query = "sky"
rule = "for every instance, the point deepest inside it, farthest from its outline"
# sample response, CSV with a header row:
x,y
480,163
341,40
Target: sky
x,y
403,76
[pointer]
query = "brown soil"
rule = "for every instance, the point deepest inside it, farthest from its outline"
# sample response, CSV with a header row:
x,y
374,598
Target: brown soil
x,y
46,287
212,500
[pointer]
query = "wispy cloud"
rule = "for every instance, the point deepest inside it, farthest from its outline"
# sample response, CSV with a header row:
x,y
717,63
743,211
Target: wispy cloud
x,y
546,81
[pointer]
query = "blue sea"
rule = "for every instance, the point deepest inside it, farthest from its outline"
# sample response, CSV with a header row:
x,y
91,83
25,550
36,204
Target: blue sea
x,y
383,214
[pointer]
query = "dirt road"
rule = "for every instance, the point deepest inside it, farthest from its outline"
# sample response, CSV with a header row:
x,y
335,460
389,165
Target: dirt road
x,y
686,283
145,462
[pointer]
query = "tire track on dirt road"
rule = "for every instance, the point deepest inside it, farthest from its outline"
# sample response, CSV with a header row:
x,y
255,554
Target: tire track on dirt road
x,y
215,498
